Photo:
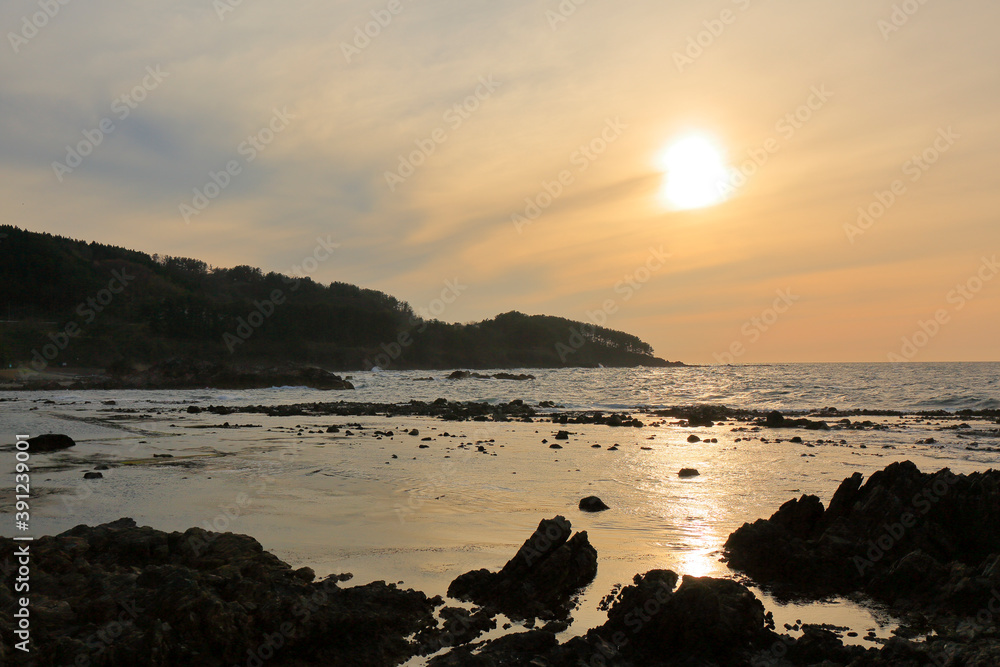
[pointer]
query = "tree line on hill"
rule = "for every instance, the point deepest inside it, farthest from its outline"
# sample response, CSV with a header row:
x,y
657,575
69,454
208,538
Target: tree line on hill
x,y
84,304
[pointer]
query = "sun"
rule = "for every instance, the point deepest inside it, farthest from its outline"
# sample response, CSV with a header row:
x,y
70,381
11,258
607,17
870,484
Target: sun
x,y
695,173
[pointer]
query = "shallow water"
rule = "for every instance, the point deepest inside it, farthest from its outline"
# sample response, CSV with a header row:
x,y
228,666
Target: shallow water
x,y
341,503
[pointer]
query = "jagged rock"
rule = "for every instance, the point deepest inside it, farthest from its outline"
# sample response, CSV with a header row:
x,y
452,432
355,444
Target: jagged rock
x,y
909,539
541,580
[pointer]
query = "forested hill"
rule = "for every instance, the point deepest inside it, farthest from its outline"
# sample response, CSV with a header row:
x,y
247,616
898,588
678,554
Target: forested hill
x,y
92,305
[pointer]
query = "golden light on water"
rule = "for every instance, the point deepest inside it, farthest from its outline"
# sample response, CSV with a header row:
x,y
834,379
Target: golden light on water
x,y
700,563
695,173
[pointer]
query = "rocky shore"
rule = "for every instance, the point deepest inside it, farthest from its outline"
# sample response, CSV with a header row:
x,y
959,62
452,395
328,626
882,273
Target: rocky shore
x,y
751,421
191,374
925,545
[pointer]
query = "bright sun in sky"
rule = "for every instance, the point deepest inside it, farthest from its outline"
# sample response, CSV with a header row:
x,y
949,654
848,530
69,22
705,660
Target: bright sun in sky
x,y
695,173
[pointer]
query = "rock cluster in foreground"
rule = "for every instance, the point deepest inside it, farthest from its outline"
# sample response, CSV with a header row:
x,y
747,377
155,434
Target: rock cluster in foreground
x,y
925,545
120,594
901,536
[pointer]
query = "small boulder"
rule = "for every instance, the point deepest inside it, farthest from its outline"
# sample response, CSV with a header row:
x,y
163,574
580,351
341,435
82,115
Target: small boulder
x,y
688,472
562,435
693,438
51,442
92,475
593,504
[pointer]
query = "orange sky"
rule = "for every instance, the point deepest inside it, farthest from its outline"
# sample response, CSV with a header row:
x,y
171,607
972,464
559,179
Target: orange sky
x,y
331,114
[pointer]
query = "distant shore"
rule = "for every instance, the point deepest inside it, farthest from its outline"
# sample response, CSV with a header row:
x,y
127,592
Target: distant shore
x,y
189,374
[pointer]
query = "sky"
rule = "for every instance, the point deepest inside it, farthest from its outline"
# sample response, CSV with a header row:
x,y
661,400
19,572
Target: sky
x,y
517,149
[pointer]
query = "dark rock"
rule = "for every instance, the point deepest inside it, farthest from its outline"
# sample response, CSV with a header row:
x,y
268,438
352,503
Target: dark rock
x,y
562,435
93,475
414,432
194,410
548,570
462,375
693,438
593,504
51,442
462,626
774,419
180,373
698,415
908,539
688,472
520,377
704,621
818,644
522,648
118,594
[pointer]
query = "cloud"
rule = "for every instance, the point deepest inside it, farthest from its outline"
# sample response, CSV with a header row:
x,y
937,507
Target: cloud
x,y
356,118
